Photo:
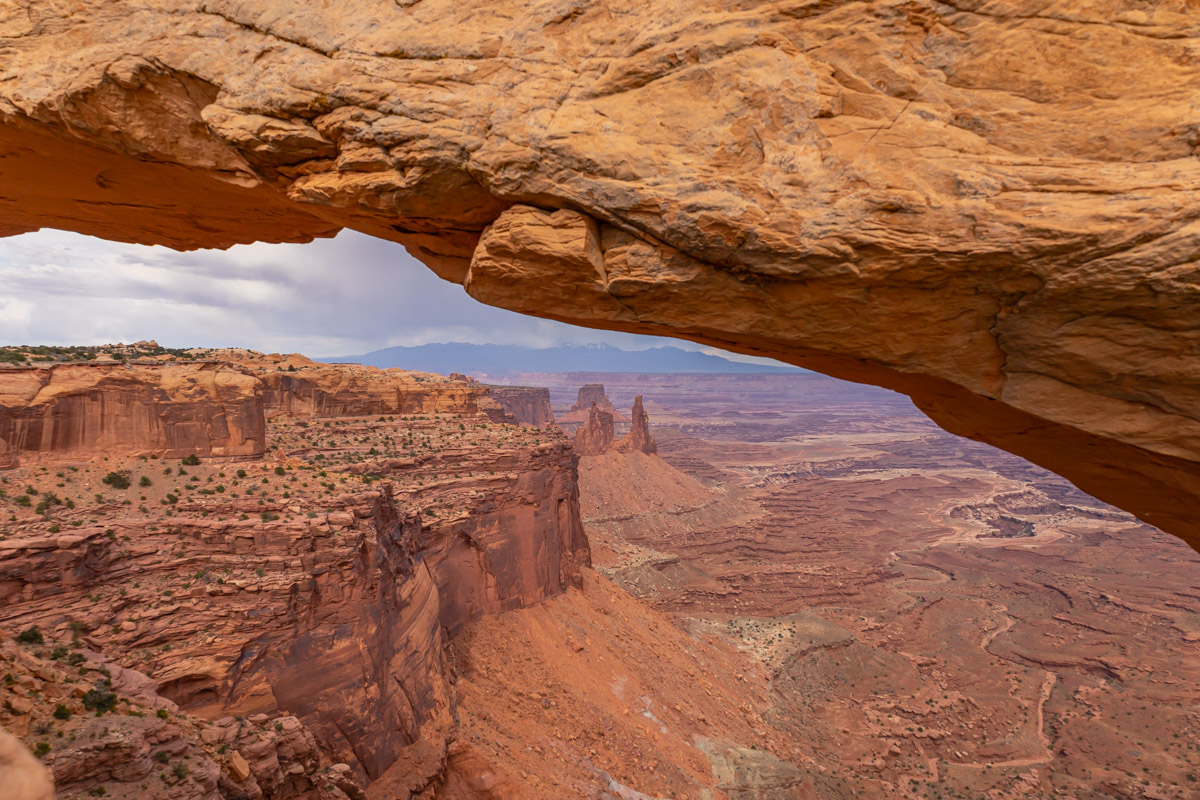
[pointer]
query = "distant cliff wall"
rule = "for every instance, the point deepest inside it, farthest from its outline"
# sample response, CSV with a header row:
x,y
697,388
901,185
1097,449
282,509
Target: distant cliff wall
x,y
171,410
528,405
345,391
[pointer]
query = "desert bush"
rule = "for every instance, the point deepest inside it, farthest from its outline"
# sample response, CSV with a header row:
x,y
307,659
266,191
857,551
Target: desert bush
x,y
117,480
31,636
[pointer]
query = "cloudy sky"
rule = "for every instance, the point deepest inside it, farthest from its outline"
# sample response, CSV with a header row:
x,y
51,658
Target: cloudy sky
x,y
341,296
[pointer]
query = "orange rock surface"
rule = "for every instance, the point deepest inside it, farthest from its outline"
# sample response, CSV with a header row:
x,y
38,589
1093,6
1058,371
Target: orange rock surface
x,y
990,208
528,405
596,436
87,410
591,394
320,586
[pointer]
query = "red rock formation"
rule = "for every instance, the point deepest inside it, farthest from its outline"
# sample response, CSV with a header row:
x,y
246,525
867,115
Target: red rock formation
x,y
339,612
596,436
638,439
304,388
591,394
81,411
528,405
143,747
872,190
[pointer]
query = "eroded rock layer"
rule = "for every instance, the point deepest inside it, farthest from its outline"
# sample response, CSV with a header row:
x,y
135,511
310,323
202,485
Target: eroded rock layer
x,y
171,410
596,436
591,395
936,619
319,586
992,209
303,388
528,405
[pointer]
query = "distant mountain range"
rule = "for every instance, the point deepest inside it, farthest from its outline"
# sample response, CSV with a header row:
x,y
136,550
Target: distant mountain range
x,y
450,357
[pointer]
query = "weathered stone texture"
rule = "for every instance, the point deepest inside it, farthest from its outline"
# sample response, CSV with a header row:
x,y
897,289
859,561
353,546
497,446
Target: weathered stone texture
x,y
991,208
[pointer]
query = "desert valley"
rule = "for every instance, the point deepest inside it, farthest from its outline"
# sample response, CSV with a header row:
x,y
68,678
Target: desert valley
x,y
227,575
912,512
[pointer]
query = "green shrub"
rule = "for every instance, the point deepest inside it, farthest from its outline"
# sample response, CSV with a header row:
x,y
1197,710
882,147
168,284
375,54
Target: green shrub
x,y
145,481
30,636
100,699
41,749
117,480
62,712
280,471
191,461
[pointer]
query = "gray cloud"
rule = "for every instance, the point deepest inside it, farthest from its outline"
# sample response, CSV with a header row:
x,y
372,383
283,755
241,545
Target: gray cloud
x,y
336,296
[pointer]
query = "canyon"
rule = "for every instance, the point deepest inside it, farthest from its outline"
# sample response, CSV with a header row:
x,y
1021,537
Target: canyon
x,y
993,210
751,587
935,618
273,623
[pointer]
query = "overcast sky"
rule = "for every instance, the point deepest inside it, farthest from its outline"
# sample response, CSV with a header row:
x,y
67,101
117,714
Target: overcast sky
x,y
342,296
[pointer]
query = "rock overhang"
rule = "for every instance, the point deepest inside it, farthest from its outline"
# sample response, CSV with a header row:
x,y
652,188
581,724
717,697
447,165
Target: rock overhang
x,y
994,212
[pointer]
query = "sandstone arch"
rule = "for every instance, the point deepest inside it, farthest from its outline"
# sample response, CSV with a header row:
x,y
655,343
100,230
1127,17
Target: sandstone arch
x,y
994,210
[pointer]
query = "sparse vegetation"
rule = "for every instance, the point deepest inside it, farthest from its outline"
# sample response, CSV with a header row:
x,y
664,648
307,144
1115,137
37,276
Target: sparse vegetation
x,y
31,636
117,480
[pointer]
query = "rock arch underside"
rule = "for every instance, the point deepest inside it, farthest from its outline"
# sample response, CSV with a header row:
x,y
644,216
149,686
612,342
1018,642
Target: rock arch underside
x,y
991,206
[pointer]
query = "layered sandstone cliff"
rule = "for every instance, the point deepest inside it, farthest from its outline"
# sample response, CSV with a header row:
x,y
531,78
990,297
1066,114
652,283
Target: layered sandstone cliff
x,y
304,388
528,405
992,209
591,394
105,731
172,410
322,587
596,436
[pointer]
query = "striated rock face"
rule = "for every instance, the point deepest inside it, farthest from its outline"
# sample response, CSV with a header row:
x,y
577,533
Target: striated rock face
x,y
321,588
140,746
304,388
993,210
528,405
590,394
638,439
596,436
84,410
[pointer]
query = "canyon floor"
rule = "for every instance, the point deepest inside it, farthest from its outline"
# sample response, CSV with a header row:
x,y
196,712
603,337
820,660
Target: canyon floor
x,y
808,592
934,618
